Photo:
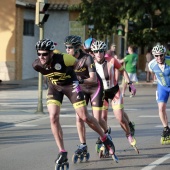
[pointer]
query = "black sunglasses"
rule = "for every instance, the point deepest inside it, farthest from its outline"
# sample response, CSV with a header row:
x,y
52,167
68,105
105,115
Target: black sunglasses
x,y
161,55
69,47
42,54
100,51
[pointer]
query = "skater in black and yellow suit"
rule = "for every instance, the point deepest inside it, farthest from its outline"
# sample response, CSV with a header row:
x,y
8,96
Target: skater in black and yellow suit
x,y
59,68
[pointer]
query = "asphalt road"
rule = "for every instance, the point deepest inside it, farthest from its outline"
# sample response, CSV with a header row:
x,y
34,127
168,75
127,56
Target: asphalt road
x,y
29,144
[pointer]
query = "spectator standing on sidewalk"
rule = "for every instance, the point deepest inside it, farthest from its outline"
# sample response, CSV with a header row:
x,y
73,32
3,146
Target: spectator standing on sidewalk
x,y
148,59
130,62
112,51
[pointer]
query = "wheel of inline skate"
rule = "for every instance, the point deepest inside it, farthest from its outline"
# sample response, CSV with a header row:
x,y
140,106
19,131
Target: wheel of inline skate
x,y
97,148
101,154
58,167
66,166
74,158
87,156
81,157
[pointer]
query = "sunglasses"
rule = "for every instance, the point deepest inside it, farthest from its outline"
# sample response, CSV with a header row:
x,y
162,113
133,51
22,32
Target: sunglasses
x,y
100,51
42,54
69,47
161,55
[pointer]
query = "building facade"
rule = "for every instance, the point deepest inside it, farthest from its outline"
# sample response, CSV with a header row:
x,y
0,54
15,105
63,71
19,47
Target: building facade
x,y
19,34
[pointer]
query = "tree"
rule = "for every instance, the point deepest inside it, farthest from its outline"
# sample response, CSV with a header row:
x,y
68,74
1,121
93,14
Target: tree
x,y
151,18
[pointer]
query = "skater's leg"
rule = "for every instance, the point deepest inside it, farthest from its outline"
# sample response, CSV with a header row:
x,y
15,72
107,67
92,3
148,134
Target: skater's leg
x,y
122,120
81,129
93,124
90,120
131,124
98,115
54,111
163,114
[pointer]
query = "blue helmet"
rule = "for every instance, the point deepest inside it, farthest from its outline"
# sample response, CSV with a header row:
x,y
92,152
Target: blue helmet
x,y
87,43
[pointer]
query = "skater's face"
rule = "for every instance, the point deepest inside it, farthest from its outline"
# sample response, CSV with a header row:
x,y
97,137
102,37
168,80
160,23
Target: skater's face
x,y
70,49
160,58
99,55
44,56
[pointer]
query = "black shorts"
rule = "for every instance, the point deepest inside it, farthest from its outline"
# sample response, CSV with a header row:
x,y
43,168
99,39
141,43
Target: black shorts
x,y
56,93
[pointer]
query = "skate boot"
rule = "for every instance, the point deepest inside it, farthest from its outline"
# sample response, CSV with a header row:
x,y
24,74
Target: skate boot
x,y
165,139
132,128
109,130
132,142
61,161
107,149
80,154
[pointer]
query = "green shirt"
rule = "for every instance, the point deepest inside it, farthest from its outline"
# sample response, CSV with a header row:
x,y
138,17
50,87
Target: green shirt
x,y
131,63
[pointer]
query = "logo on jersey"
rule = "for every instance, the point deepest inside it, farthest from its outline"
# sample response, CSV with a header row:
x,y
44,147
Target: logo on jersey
x,y
57,66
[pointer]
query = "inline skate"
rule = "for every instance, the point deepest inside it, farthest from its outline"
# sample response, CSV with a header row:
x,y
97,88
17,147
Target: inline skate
x,y
99,142
108,149
80,154
165,139
132,142
61,161
132,128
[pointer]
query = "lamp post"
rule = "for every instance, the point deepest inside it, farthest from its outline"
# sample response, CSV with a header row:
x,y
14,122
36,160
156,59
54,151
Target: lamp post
x,y
40,18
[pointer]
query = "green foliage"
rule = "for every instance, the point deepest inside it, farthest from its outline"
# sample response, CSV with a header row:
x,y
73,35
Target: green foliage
x,y
151,18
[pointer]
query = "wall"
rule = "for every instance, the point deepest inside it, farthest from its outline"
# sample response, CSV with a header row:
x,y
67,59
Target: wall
x,y
7,40
56,28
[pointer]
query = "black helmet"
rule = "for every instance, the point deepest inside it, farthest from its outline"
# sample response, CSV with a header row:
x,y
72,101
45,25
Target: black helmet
x,y
45,44
73,40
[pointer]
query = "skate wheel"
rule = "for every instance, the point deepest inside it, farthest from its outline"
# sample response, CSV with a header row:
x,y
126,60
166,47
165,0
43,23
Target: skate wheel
x,y
58,167
66,166
97,148
115,158
87,156
81,157
74,158
101,154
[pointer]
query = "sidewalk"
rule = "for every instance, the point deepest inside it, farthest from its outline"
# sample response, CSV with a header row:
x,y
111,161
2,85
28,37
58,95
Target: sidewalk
x,y
19,101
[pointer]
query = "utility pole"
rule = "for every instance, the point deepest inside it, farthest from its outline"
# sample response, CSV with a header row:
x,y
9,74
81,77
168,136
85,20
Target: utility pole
x,y
126,36
41,17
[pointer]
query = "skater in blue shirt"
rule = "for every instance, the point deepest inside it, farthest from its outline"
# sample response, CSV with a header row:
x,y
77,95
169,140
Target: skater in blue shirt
x,y
160,65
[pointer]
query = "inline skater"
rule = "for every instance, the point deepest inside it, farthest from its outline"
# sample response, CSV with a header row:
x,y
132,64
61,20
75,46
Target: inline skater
x,y
106,70
63,81
87,46
161,67
91,85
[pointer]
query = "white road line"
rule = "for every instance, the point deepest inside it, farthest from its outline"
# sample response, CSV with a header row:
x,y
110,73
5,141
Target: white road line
x,y
149,116
157,162
24,125
159,126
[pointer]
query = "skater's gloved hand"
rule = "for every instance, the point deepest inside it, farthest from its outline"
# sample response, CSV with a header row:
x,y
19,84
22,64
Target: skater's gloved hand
x,y
75,85
132,88
81,81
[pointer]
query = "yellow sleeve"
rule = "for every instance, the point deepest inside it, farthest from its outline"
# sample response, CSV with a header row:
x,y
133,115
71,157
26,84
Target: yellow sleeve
x,y
69,60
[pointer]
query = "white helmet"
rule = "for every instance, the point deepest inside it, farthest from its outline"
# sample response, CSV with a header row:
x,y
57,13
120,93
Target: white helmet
x,y
98,45
158,49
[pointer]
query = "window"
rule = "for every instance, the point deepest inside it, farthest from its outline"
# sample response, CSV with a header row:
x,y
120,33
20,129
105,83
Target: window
x,y
29,27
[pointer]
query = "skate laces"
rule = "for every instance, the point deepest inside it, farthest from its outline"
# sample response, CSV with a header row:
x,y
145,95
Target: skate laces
x,y
81,148
131,140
